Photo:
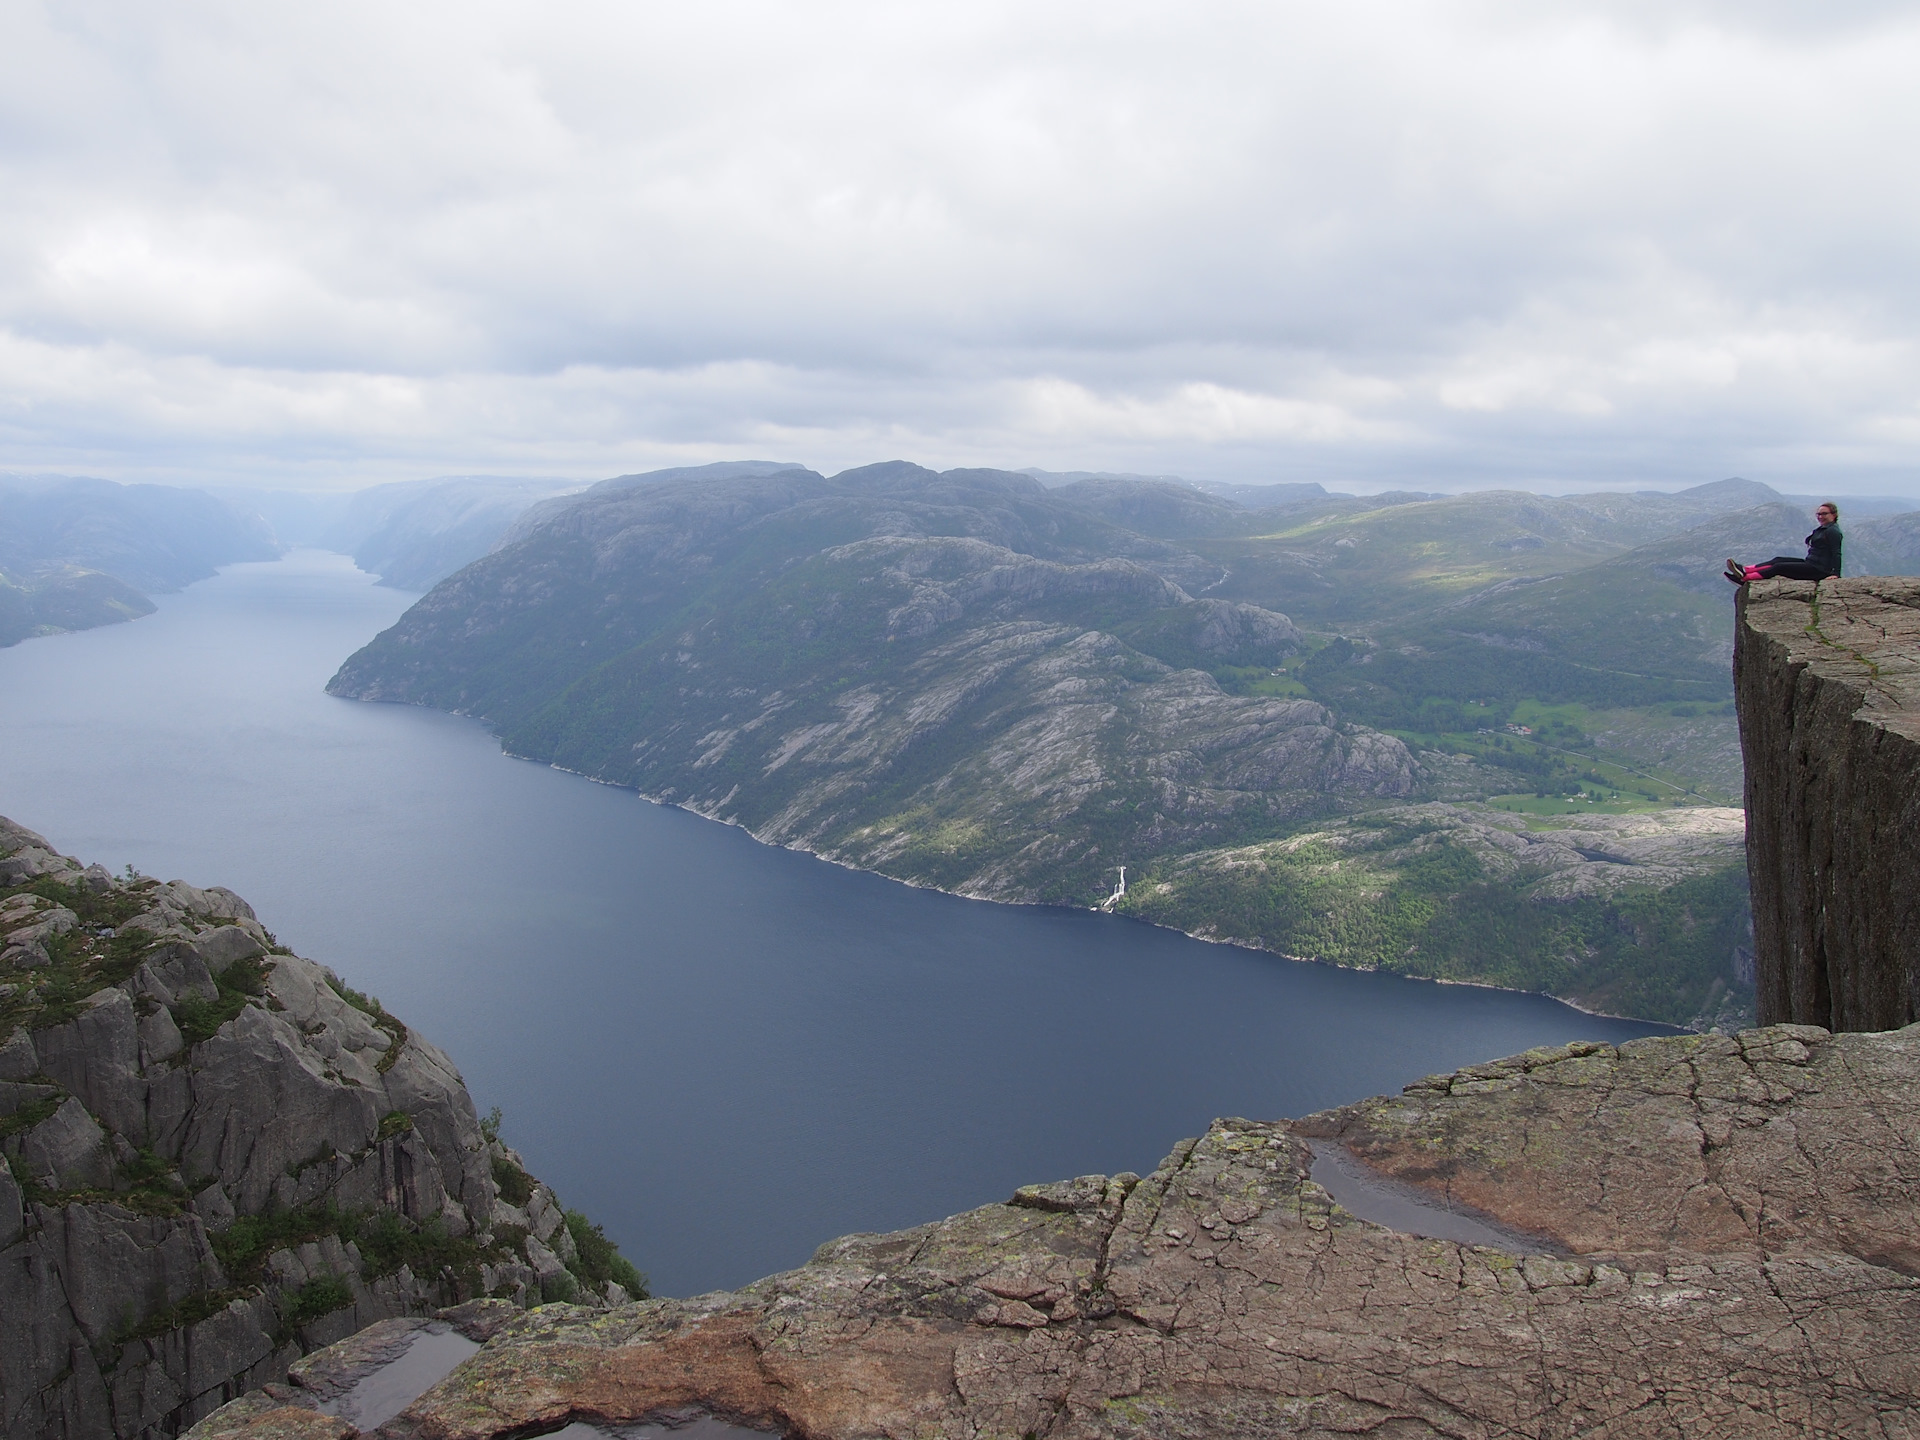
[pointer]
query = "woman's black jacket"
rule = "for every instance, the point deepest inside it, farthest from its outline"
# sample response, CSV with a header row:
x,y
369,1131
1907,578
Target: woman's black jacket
x,y
1823,548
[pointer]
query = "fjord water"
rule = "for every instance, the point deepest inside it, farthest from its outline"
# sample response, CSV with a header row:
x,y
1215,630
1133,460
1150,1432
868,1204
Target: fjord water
x,y
724,1052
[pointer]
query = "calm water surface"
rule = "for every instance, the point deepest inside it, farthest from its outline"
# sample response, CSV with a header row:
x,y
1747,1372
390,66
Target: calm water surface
x,y
725,1053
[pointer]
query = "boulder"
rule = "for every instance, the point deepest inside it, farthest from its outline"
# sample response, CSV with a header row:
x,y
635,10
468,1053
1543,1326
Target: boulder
x,y
67,1151
18,1061
221,947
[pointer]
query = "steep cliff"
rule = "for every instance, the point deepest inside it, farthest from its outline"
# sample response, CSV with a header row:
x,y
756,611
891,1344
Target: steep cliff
x,y
1684,1236
1827,680
218,1156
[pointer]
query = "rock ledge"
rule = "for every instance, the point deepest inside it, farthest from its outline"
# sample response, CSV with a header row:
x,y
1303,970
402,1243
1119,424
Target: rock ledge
x,y
1827,679
1722,1243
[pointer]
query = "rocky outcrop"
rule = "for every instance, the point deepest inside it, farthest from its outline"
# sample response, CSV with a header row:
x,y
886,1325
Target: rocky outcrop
x,y
1693,1236
218,1156
1827,679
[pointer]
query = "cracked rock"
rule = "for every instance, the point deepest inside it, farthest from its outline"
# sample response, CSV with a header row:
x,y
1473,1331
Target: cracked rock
x,y
1761,1287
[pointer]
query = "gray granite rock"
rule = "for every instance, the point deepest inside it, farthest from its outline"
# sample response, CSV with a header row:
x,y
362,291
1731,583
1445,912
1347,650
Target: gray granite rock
x,y
220,947
67,1151
1731,1222
18,1060
1827,681
13,1212
111,1292
16,1095
96,1056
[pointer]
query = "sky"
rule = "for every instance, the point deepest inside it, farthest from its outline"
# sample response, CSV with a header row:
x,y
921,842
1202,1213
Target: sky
x,y
1439,245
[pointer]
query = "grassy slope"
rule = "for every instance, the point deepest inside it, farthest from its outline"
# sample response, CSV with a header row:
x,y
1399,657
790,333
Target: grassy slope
x,y
1434,910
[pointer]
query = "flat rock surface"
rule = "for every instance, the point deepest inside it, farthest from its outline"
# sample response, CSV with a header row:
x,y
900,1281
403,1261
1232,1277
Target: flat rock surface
x,y
1863,632
1722,1236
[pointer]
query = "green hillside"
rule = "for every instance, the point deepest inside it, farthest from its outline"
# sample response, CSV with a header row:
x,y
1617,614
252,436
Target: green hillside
x,y
1323,726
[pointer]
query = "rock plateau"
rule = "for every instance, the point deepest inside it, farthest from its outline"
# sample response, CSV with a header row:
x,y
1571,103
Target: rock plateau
x,y
1693,1236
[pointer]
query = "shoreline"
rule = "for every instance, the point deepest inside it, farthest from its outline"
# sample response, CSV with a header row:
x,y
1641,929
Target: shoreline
x,y
1238,944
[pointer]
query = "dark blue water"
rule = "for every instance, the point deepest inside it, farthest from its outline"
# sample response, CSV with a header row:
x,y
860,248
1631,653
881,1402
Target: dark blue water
x,y
724,1052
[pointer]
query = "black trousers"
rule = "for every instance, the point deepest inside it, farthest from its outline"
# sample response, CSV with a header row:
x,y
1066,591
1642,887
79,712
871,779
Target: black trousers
x,y
1787,567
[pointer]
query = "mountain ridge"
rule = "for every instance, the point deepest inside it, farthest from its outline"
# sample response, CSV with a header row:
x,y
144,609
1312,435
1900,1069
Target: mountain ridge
x,y
968,680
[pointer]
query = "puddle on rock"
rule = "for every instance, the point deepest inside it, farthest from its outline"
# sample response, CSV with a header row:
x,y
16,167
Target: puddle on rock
x,y
380,1395
1362,1191
702,1427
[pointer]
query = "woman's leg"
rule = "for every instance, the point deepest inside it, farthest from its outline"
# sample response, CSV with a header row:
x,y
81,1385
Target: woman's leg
x,y
1786,567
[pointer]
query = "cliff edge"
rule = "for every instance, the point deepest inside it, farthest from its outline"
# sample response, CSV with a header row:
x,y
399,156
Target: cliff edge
x,y
1827,682
1694,1235
216,1156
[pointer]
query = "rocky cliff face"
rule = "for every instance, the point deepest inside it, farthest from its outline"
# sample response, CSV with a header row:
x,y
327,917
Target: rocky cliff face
x,y
217,1157
1828,686
1684,1236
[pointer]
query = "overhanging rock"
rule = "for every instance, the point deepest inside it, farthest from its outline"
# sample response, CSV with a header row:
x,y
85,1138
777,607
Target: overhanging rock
x,y
1827,680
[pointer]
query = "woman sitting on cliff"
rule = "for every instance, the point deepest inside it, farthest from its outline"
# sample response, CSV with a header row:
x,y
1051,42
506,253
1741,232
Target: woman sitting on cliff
x,y
1823,554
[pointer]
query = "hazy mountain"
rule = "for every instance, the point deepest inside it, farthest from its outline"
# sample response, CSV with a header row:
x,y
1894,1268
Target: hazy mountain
x,y
75,552
972,680
1054,479
721,470
296,517
65,600
414,533
1883,545
154,537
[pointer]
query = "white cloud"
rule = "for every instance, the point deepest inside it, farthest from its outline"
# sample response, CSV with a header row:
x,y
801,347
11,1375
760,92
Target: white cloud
x,y
1262,240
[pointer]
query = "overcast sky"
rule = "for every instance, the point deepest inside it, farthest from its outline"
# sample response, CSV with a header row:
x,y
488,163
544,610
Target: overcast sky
x,y
1440,244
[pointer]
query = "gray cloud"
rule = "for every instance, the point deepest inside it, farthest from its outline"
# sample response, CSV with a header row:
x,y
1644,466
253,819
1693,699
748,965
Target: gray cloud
x,y
1399,242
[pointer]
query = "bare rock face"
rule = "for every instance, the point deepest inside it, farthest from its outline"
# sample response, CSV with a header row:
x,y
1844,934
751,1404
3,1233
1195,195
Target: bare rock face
x,y
215,1156
1827,680
1691,1236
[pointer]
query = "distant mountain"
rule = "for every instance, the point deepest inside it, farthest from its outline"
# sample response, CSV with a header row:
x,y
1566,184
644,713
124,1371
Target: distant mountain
x,y
975,681
414,533
1054,479
154,537
1738,494
75,552
536,515
961,679
65,600
296,517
